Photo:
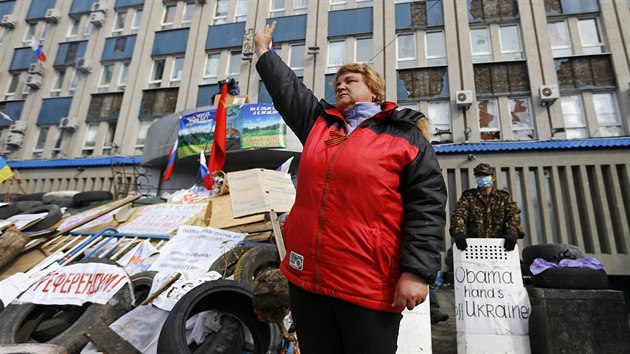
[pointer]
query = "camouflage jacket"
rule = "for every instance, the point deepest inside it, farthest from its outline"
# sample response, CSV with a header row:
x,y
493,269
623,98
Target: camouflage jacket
x,y
491,216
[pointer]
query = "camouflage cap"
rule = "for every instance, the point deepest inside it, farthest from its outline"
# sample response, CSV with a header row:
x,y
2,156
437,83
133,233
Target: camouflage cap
x,y
484,169
271,295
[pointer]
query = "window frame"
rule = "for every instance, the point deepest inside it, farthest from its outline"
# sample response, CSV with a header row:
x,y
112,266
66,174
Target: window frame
x,y
438,132
336,5
40,143
505,54
118,31
188,6
277,12
176,80
153,82
221,17
614,104
600,47
90,139
234,59
559,51
57,86
73,29
136,21
168,25
497,118
481,56
11,90
439,60
332,68
413,61
123,74
530,113
104,87
299,70
212,79
356,50
570,128
300,10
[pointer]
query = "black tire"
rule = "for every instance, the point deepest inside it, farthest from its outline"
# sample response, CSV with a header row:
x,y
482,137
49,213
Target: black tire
x,y
552,252
226,296
17,322
226,263
54,215
8,211
25,205
82,198
60,318
571,278
255,262
227,340
141,283
61,198
29,197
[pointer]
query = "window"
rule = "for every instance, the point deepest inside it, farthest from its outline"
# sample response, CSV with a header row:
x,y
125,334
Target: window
x,y
510,43
12,88
276,9
572,113
55,91
440,121
106,78
2,33
188,14
337,5
364,3
157,73
119,23
435,48
234,65
521,117
211,74
363,52
590,38
73,30
489,125
241,11
25,91
296,58
38,151
108,146
221,12
142,135
406,51
42,37
56,152
481,47
300,7
123,78
169,16
30,33
608,120
559,39
135,24
90,139
178,70
336,55
89,27
73,83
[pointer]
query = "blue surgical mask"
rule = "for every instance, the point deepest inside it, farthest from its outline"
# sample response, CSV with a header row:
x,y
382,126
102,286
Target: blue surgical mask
x,y
483,181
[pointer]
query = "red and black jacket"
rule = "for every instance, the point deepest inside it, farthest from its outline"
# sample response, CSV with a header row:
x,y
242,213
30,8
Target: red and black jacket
x,y
369,205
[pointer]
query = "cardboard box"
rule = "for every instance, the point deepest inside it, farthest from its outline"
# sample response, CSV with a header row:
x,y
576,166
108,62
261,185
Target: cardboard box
x,y
230,99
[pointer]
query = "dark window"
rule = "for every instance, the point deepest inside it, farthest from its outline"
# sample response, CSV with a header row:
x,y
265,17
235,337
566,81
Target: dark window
x,y
128,3
422,83
170,42
69,52
158,103
350,22
585,72
119,48
565,7
38,9
492,10
293,28
501,78
6,8
104,107
53,109
11,108
22,58
227,35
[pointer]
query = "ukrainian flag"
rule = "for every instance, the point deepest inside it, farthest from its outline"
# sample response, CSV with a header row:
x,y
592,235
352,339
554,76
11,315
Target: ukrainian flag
x,y
5,170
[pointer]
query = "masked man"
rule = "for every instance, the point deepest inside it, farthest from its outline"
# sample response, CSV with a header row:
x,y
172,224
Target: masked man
x,y
486,212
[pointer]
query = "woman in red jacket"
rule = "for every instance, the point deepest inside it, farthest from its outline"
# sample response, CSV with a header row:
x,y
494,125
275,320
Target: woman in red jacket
x,y
364,234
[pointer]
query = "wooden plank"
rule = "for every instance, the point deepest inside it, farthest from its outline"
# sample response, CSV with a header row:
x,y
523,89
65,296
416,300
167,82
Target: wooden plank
x,y
221,214
277,233
107,341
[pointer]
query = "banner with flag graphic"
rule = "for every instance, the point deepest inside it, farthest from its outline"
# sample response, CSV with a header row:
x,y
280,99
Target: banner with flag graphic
x,y
5,170
37,49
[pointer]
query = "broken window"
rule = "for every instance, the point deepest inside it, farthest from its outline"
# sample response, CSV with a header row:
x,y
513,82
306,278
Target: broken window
x,y
501,78
423,83
521,117
489,122
492,10
585,72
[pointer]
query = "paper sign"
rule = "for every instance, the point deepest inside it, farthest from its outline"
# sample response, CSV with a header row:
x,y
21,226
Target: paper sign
x,y
161,219
23,220
168,299
73,220
77,284
194,249
489,293
259,190
134,260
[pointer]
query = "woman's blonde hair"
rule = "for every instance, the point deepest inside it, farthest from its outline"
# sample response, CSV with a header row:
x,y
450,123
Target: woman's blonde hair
x,y
372,79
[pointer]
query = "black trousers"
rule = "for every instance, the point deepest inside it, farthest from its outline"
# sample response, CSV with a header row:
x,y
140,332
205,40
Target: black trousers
x,y
326,325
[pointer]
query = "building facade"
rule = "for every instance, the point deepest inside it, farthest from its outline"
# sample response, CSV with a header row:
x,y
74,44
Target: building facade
x,y
538,88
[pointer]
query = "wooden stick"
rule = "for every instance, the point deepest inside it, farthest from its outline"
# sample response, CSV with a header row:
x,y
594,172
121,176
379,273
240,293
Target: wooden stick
x,y
161,290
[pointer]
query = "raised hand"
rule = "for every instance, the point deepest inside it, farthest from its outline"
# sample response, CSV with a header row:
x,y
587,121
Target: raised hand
x,y
262,40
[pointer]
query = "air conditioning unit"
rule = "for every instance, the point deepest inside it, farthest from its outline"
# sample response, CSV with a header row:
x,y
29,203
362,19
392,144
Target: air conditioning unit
x,y
97,18
19,127
202,1
35,69
464,99
52,15
99,6
68,123
84,65
34,81
8,21
548,94
15,139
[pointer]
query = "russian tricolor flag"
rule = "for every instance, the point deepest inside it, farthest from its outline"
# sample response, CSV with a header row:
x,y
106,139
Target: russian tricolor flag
x,y
172,156
206,176
37,49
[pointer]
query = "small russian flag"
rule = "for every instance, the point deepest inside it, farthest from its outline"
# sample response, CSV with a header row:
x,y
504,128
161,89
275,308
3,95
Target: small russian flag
x,y
172,156
206,176
37,49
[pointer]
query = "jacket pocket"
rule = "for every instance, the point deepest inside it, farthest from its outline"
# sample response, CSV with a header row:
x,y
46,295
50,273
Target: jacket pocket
x,y
382,255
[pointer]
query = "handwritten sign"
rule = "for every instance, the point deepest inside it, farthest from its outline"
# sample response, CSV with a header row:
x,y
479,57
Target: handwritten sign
x,y
168,299
161,219
259,190
491,303
194,249
77,284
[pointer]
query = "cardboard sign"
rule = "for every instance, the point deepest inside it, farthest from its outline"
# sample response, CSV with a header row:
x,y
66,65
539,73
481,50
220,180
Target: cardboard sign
x,y
259,190
161,219
168,299
77,284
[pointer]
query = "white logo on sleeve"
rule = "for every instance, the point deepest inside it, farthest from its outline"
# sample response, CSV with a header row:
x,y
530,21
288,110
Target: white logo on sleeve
x,y
296,261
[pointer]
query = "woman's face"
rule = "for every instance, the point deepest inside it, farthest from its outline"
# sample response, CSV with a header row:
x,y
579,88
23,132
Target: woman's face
x,y
351,88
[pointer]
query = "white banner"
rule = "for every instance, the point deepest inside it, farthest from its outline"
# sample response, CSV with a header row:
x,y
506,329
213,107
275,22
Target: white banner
x,y
489,293
194,249
161,219
134,260
169,298
77,284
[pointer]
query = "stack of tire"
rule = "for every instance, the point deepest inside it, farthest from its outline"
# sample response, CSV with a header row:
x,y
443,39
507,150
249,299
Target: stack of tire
x,y
51,203
562,277
232,298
